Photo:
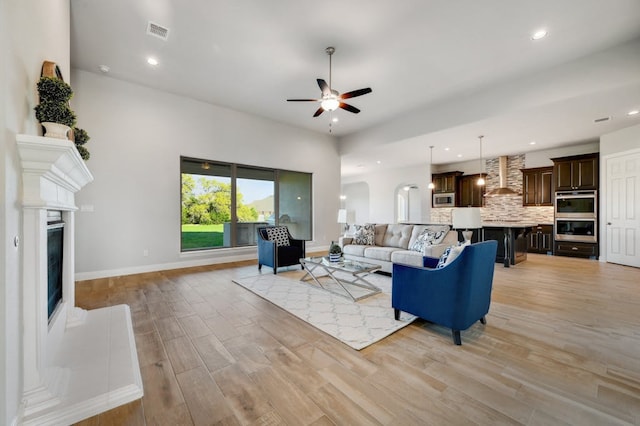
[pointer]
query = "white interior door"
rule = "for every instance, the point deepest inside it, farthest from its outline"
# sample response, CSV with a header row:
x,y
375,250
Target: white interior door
x,y
622,209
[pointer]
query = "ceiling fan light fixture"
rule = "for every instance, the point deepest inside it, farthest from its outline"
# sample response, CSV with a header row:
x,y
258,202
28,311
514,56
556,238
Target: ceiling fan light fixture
x,y
330,104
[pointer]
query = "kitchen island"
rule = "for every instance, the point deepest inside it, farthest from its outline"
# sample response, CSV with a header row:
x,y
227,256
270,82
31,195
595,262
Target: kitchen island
x,y
512,238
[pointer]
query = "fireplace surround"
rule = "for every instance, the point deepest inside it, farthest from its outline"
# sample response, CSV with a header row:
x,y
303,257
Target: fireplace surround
x,y
77,363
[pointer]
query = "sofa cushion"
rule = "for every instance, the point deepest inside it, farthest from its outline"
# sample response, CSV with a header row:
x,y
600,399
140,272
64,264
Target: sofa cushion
x,y
380,229
407,257
379,253
423,236
354,249
397,235
364,234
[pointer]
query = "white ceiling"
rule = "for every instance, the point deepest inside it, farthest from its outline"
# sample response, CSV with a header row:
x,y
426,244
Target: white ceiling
x,y
442,72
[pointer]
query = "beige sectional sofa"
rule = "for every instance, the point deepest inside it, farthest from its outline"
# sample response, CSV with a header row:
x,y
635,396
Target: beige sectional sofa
x,y
397,243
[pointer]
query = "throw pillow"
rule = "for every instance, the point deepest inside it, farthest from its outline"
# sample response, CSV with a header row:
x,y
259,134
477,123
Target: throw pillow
x,y
450,253
428,237
279,235
350,231
364,234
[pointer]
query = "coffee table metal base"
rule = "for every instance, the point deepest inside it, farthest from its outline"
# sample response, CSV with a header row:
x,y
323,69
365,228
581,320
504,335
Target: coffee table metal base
x,y
358,279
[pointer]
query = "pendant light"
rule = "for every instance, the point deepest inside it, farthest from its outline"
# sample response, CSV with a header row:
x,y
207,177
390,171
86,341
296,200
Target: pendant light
x,y
431,184
480,181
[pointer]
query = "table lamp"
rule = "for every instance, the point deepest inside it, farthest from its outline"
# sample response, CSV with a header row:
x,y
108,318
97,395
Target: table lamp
x,y
466,218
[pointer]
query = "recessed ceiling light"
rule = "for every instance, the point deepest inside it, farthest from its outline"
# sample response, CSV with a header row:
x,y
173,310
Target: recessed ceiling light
x,y
378,162
446,149
334,119
633,112
104,68
539,34
532,143
459,156
152,61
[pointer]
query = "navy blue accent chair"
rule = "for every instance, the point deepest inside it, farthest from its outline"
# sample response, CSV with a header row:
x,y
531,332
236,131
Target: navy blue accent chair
x,y
455,296
269,254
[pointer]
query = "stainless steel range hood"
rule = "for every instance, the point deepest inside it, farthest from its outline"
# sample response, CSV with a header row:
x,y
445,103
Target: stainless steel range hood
x,y
503,190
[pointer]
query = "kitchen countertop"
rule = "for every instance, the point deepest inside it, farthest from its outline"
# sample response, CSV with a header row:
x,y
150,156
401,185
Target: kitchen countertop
x,y
506,224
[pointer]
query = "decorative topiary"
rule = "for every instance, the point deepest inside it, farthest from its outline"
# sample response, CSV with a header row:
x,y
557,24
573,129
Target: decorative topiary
x,y
53,89
54,105
55,112
334,248
80,136
84,153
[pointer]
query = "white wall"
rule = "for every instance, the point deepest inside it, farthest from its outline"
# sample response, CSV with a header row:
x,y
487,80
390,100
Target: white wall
x,y
31,32
356,202
137,137
626,139
382,187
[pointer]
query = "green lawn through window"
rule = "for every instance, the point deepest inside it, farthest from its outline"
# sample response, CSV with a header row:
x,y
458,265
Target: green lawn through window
x,y
201,236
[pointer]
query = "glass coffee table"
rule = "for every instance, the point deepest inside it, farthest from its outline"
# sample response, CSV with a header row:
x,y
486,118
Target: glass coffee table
x,y
319,269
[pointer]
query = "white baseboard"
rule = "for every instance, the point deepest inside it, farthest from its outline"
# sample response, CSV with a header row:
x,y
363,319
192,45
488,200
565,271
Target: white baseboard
x,y
187,263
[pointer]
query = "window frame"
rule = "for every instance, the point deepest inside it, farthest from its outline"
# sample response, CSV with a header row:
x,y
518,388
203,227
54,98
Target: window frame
x,y
233,220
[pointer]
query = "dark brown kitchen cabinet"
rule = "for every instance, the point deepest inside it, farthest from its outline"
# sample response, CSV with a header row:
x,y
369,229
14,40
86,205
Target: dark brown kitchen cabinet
x,y
577,172
537,186
470,194
575,249
445,182
541,239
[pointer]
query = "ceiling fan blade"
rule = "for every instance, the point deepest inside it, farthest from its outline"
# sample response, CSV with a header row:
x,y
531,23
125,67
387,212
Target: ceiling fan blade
x,y
324,87
349,108
318,112
304,100
355,93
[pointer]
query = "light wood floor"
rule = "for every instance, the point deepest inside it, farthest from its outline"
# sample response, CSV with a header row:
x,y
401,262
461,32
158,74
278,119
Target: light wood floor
x,y
561,346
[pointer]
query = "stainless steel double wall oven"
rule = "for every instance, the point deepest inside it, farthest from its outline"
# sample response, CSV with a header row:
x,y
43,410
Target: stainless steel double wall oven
x,y
576,216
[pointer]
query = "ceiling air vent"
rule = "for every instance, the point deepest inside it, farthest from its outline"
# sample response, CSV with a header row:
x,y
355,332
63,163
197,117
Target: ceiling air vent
x,y
600,120
157,31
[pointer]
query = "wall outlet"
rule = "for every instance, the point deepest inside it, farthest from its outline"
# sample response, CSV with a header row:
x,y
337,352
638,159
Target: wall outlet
x,y
145,252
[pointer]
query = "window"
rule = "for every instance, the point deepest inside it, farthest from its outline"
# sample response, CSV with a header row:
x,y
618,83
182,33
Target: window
x,y
224,204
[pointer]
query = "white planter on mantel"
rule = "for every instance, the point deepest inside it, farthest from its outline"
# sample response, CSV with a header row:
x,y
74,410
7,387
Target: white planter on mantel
x,y
79,363
56,130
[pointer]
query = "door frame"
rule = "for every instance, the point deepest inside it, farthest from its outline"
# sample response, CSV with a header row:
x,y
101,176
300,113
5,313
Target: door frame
x,y
604,198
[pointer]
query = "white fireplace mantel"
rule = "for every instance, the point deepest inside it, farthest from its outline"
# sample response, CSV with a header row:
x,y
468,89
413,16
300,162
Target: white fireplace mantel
x,y
79,363
52,172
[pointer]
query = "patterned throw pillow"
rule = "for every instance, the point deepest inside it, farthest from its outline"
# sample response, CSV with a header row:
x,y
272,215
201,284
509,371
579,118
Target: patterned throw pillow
x,y
428,237
364,235
450,253
279,235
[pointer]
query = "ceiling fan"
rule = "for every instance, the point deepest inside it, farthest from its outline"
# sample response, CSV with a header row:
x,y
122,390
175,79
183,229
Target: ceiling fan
x,y
332,99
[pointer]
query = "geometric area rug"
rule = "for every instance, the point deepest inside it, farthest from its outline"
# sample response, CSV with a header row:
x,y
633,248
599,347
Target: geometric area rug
x,y
357,324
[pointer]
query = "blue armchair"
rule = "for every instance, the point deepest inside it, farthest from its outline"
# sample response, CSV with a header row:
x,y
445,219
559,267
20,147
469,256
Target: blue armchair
x,y
276,248
454,296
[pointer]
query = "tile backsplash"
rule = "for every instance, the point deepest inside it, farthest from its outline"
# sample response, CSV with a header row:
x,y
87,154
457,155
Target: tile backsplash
x,y
503,208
